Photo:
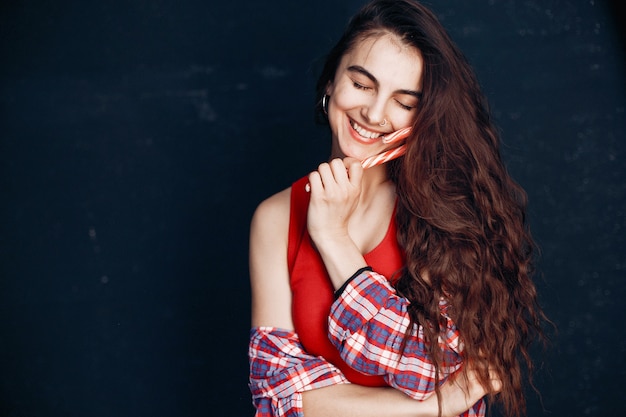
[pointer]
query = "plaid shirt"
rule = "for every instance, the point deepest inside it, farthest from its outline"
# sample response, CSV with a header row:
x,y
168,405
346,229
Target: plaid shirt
x,y
367,324
280,370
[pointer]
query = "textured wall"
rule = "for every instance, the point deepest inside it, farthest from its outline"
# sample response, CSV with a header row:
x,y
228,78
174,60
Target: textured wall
x,y
137,137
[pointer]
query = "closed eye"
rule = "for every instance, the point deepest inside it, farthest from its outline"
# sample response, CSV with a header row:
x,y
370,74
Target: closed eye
x,y
359,86
404,106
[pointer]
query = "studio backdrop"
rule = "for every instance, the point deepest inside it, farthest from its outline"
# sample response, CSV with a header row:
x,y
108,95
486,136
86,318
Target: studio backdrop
x,y
137,138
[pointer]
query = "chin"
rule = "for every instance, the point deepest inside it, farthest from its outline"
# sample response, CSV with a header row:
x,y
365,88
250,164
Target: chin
x,y
357,152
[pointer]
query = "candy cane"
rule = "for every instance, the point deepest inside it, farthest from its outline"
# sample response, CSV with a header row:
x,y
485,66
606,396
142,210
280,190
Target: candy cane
x,y
389,154
384,156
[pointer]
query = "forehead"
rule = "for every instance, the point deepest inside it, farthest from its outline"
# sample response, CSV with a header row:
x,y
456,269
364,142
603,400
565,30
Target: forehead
x,y
387,58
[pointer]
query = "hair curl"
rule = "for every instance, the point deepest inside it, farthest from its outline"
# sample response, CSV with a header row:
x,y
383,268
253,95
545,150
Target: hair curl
x,y
461,217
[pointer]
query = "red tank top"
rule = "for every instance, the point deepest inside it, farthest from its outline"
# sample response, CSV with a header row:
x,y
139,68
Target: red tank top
x,y
313,292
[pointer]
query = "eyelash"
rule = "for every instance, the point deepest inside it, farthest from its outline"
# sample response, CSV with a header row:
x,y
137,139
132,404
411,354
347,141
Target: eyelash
x,y
404,106
362,87
359,86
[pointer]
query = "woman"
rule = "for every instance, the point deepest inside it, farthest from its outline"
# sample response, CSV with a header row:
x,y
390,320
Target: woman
x,y
420,266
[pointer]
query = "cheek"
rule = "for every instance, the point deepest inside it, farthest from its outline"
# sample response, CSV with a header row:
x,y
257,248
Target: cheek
x,y
402,118
346,97
398,116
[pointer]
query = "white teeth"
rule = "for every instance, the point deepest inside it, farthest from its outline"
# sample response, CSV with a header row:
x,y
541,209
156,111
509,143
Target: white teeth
x,y
364,132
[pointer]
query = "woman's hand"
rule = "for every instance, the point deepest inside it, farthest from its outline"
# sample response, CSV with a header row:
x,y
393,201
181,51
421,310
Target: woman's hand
x,y
464,389
335,191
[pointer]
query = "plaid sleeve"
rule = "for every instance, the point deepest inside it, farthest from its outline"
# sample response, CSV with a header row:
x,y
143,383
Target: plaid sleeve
x,y
280,370
368,322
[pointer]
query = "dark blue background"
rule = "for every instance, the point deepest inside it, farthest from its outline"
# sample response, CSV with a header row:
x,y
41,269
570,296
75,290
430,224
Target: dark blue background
x,y
136,138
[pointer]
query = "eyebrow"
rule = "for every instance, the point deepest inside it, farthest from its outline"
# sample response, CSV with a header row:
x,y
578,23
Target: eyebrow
x,y
361,70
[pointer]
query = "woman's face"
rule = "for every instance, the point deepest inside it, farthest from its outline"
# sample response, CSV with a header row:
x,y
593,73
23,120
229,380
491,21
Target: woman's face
x,y
375,92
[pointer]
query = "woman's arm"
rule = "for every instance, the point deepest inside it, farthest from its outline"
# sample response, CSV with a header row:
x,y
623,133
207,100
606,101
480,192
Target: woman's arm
x,y
271,307
285,380
457,397
335,191
269,276
280,370
368,324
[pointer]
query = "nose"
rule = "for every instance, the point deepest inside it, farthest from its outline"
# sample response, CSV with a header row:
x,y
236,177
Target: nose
x,y
374,111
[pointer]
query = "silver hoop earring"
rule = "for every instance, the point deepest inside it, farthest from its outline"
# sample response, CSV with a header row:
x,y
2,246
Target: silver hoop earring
x,y
383,123
325,103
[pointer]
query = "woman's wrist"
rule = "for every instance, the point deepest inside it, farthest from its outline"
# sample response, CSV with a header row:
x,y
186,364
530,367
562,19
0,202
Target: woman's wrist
x,y
341,258
358,272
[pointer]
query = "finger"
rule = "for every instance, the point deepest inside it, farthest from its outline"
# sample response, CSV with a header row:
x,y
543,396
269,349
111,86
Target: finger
x,y
339,171
355,171
347,161
495,383
326,175
315,182
495,380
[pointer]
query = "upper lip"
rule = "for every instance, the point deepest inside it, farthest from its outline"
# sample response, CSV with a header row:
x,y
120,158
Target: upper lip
x,y
374,133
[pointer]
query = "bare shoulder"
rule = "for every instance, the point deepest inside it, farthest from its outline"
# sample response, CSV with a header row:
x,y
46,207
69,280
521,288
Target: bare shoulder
x,y
269,274
273,214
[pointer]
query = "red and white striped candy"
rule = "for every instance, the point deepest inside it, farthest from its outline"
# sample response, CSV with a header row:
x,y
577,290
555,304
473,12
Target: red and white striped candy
x,y
389,154
383,157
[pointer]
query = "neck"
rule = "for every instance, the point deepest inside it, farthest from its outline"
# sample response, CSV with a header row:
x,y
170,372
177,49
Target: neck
x,y
375,184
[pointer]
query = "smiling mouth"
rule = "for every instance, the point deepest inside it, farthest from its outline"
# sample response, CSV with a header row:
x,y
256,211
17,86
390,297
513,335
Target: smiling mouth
x,y
367,134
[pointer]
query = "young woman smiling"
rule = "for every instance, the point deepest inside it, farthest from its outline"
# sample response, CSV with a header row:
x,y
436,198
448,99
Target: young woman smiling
x,y
404,289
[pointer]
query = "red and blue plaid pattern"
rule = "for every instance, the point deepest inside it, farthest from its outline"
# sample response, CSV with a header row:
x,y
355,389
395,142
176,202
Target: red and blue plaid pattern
x,y
280,370
368,323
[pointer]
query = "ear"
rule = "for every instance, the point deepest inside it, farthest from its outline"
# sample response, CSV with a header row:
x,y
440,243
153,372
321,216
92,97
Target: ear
x,y
329,88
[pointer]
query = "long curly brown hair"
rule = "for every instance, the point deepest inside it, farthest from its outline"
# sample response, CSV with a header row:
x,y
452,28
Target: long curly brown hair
x,y
461,217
